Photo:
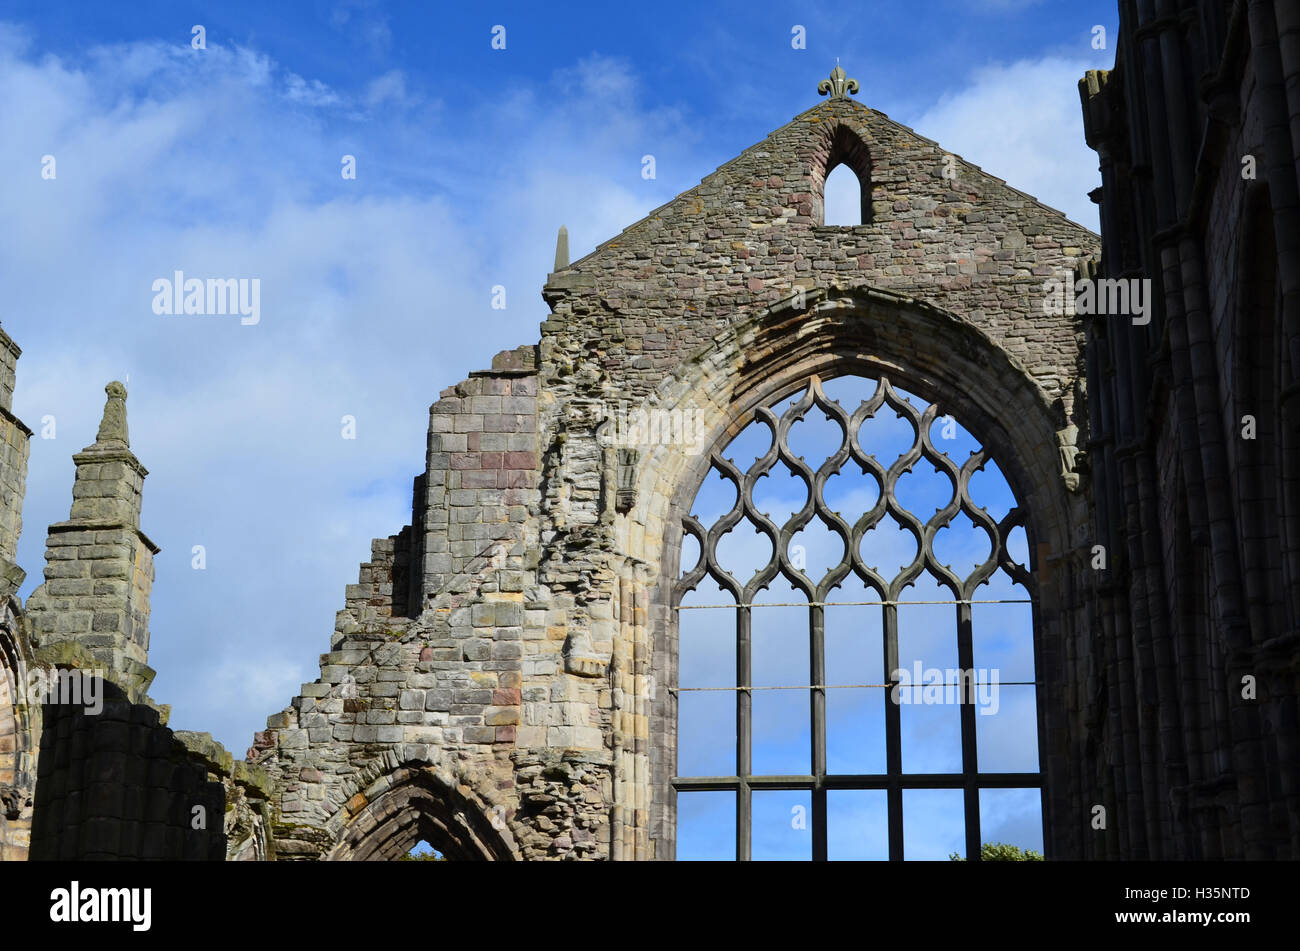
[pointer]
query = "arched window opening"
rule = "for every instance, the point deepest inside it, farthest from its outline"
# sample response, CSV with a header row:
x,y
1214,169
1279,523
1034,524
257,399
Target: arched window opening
x,y
419,815
856,664
843,197
423,852
8,728
842,187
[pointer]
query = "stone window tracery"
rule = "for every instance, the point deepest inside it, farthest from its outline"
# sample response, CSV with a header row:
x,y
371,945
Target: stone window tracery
x,y
812,624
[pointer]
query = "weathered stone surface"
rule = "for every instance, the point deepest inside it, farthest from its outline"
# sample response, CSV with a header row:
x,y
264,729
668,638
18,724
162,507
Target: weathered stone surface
x,y
504,622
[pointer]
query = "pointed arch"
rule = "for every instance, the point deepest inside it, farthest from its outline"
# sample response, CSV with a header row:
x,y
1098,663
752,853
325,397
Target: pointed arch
x,y
415,803
938,357
841,145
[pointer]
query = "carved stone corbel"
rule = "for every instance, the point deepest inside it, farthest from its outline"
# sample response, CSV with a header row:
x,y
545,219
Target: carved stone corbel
x,y
625,494
1072,457
12,800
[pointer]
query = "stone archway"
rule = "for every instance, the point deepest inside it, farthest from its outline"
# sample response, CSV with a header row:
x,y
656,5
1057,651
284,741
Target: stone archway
x,y
935,355
413,804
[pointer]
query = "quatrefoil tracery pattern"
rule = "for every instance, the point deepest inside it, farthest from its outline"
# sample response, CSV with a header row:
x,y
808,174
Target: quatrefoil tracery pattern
x,y
819,782
815,507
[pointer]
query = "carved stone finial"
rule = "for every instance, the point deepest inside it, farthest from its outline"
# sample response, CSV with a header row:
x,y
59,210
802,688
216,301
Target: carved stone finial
x,y
839,85
112,428
562,249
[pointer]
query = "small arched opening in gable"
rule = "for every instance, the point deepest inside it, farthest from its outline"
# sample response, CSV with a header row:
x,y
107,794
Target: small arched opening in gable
x,y
839,201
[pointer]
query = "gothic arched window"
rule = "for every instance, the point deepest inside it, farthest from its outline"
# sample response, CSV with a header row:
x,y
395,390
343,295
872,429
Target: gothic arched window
x,y
856,658
842,186
842,198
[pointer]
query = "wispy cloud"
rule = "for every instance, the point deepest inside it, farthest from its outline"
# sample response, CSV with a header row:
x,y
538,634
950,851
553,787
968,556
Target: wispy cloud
x,y
1012,120
375,295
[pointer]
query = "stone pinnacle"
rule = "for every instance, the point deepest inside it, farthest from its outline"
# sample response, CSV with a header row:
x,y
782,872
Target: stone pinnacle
x,y
562,249
112,428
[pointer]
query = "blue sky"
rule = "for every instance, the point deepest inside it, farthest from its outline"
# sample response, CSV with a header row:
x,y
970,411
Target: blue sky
x,y
376,291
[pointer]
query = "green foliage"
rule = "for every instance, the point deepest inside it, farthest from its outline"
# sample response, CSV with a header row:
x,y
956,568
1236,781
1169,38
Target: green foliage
x,y
1001,852
422,857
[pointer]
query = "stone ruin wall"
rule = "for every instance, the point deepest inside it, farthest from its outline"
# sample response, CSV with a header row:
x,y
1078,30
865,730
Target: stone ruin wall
x,y
116,783
503,645
499,679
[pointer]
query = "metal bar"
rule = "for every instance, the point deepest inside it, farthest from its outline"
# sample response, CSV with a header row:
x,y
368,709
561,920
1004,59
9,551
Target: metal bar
x,y
863,781
817,699
1043,811
969,748
893,735
842,604
1000,683
705,783
744,734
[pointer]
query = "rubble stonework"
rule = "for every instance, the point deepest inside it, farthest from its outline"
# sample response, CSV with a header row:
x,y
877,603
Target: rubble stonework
x,y
99,571
88,767
527,676
17,757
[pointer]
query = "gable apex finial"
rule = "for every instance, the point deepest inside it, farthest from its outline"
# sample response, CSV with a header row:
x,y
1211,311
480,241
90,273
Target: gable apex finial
x,y
839,85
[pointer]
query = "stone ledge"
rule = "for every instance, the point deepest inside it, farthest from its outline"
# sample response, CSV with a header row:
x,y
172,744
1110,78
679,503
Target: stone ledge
x,y
206,749
9,417
218,760
91,456
91,525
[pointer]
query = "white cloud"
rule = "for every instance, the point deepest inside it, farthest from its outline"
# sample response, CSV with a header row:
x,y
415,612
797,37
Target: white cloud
x,y
375,296
310,92
390,87
1023,123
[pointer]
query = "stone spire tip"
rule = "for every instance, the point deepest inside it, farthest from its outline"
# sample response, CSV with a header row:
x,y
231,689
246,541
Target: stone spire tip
x,y
112,428
562,249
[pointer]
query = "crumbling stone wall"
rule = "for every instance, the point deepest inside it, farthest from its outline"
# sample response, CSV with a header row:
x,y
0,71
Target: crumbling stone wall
x,y
441,690
17,721
118,784
88,767
14,447
522,706
17,756
500,677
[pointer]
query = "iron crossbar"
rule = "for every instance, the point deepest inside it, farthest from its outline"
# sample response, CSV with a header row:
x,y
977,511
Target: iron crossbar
x,y
848,782
843,604
851,453
1001,683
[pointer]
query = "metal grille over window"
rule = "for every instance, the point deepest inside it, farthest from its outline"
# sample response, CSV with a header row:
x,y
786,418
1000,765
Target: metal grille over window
x,y
856,648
